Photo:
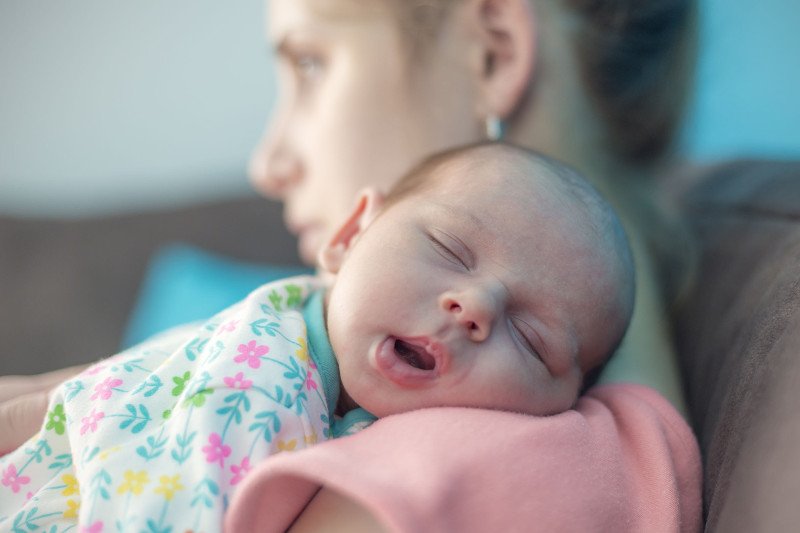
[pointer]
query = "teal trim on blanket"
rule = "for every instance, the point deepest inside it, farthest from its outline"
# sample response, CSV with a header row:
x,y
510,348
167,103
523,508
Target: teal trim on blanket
x,y
352,422
321,351
319,347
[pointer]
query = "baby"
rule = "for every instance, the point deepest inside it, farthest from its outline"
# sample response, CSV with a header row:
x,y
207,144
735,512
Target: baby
x,y
490,277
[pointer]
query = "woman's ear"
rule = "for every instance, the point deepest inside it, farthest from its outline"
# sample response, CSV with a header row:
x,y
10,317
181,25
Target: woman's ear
x,y
507,33
366,209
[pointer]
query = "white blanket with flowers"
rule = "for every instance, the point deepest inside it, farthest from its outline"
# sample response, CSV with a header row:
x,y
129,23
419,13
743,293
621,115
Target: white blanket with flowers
x,y
157,438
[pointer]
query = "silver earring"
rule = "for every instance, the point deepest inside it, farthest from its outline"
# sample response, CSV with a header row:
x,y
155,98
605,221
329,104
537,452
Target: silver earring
x,y
494,127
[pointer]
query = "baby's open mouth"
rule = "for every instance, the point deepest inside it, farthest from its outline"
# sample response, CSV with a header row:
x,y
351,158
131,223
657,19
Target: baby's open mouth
x,y
414,355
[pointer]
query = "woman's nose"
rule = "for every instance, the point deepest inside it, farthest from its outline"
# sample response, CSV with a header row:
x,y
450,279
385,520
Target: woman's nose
x,y
274,170
473,310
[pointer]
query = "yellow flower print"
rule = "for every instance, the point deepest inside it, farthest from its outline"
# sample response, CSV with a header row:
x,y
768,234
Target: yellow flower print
x,y
311,439
105,453
72,485
302,351
284,446
72,509
134,482
169,486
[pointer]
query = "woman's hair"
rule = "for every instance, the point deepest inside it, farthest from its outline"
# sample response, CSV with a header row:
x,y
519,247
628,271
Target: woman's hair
x,y
635,58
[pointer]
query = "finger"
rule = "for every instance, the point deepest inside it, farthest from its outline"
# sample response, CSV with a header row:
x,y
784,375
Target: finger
x,y
20,418
14,386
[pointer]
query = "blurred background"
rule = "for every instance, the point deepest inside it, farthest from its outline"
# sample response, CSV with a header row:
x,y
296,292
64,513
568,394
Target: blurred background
x,y
111,106
125,129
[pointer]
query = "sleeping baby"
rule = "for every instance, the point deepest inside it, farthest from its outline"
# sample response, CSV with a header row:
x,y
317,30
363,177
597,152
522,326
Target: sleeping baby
x,y
489,277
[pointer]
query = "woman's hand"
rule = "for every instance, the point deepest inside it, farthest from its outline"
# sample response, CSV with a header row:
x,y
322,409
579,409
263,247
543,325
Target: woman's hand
x,y
23,404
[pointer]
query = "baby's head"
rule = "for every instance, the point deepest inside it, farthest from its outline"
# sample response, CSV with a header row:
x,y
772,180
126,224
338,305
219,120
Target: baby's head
x,y
489,277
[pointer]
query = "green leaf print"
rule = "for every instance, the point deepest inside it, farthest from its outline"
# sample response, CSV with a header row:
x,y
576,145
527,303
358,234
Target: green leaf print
x,y
294,296
275,299
180,383
198,399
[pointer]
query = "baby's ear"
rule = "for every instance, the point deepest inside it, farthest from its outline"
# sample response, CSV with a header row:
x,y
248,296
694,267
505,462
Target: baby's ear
x,y
366,209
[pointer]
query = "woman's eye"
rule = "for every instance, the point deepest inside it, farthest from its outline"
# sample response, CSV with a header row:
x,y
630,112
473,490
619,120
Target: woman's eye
x,y
308,67
447,253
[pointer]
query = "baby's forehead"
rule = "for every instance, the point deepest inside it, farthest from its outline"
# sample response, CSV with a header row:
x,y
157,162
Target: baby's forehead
x,y
516,179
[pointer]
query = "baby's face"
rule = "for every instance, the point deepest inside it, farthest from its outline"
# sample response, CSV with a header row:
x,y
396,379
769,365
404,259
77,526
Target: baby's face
x,y
472,293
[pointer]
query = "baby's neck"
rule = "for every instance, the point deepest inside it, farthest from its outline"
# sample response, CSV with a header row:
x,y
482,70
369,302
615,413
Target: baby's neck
x,y
345,403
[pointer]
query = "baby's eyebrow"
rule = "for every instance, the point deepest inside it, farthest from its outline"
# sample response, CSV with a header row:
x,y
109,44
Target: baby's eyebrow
x,y
464,216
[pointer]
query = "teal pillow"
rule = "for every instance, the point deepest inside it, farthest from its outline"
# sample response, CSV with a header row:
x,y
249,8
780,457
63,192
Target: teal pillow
x,y
184,284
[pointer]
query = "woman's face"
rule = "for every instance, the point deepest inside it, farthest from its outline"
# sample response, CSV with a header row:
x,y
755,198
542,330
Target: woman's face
x,y
354,109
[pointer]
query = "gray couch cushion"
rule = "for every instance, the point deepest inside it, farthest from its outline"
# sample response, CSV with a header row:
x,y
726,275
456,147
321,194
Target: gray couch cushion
x,y
68,286
739,340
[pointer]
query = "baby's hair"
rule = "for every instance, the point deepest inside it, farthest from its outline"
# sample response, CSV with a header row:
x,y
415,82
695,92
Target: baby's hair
x,y
600,217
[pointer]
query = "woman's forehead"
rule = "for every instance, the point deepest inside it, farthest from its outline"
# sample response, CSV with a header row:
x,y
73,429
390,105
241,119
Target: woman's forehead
x,y
281,13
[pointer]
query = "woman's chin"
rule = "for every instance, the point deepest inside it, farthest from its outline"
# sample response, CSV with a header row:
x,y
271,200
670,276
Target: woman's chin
x,y
309,243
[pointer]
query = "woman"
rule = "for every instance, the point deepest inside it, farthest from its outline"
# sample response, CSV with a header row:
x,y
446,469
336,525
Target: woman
x,y
367,91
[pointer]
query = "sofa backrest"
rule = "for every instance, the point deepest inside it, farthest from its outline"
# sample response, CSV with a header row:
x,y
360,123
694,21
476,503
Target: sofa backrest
x,y
738,335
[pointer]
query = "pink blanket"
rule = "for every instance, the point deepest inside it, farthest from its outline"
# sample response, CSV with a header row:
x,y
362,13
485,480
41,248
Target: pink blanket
x,y
622,460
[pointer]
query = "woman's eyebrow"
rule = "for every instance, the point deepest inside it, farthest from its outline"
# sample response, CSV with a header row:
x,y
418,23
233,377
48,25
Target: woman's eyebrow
x,y
282,48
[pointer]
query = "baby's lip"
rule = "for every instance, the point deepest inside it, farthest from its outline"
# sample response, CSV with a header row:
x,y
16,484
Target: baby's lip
x,y
411,361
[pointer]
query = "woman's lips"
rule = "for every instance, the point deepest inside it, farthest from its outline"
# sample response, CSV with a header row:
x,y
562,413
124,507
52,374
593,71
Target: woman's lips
x,y
410,362
309,244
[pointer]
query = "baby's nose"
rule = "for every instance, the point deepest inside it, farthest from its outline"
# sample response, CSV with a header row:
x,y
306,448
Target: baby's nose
x,y
474,311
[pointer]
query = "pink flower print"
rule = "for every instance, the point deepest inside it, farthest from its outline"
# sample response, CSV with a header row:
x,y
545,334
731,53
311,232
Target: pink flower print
x,y
90,422
91,371
251,353
104,389
310,383
238,382
97,527
228,326
14,480
216,451
239,471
